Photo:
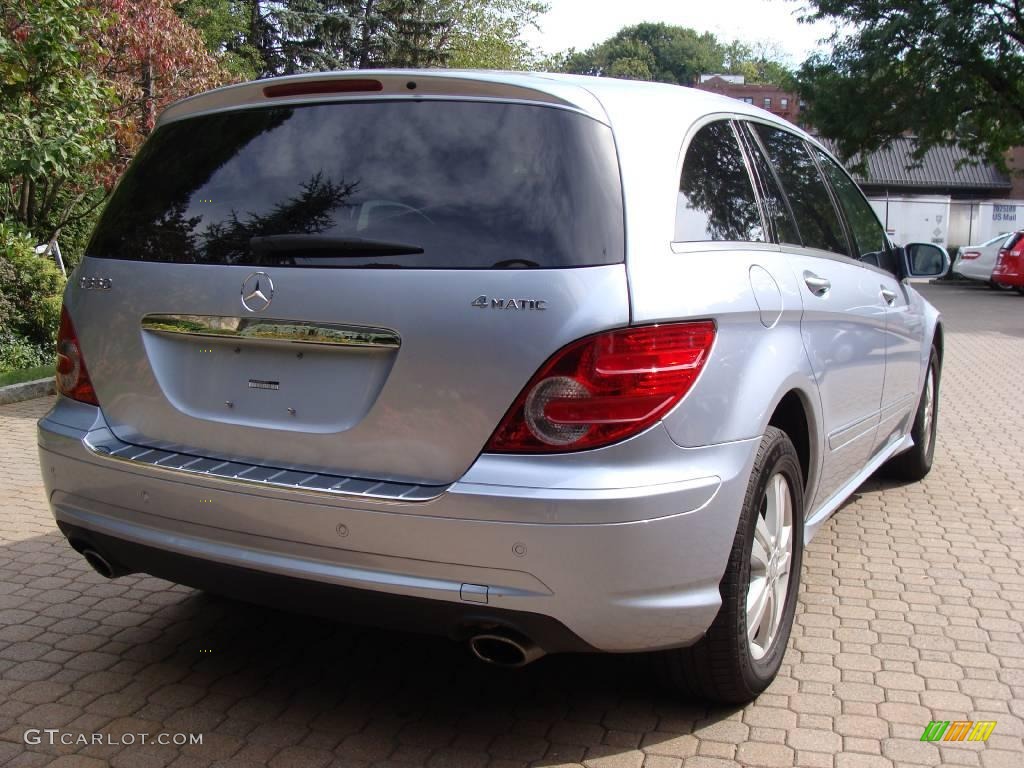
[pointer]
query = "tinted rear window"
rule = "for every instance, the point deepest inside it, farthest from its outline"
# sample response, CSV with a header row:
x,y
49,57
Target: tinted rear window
x,y
421,184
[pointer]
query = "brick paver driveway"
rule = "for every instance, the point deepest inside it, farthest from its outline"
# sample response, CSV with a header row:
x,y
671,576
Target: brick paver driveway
x,y
910,611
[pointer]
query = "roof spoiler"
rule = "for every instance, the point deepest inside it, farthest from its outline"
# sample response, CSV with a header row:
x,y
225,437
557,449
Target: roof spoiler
x,y
377,84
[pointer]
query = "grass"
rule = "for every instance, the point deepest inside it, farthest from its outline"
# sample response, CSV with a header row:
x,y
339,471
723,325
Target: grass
x,y
26,374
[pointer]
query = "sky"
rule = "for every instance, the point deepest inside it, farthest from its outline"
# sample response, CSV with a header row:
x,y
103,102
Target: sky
x,y
581,23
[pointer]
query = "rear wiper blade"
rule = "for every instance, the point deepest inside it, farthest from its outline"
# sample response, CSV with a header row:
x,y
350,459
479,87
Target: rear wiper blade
x,y
326,246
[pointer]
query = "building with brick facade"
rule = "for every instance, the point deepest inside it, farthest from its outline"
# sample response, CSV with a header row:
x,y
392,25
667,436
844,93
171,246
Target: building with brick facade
x,y
769,97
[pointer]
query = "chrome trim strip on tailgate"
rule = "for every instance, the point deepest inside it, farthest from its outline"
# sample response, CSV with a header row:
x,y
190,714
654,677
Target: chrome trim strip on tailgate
x,y
269,329
103,443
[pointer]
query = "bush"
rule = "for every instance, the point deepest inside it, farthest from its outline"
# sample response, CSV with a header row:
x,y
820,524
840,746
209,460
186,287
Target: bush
x,y
17,353
30,296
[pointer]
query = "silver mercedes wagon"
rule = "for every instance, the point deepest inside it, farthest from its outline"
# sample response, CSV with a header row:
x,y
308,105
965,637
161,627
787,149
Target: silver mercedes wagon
x,y
540,362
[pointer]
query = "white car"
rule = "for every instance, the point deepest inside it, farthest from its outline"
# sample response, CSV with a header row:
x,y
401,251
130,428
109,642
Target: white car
x,y
977,261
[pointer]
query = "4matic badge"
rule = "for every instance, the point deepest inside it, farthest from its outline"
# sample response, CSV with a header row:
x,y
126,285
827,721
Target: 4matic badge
x,y
487,302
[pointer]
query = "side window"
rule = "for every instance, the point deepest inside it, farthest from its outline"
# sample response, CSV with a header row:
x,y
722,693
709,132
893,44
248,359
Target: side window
x,y
816,216
868,235
776,207
716,198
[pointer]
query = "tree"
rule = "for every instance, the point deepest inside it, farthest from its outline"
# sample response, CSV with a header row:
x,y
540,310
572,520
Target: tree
x,y
224,26
488,34
81,83
759,63
53,112
660,52
152,58
945,71
262,39
672,54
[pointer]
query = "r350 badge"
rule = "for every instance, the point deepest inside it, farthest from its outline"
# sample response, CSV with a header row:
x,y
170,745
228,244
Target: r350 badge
x,y
95,283
487,302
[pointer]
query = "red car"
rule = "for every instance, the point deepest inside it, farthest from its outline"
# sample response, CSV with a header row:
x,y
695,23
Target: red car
x,y
1009,269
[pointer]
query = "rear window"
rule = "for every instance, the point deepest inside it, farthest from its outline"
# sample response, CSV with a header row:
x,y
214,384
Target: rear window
x,y
419,184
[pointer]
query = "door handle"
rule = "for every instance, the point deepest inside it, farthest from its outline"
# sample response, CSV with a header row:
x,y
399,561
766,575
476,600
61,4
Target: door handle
x,y
819,286
889,296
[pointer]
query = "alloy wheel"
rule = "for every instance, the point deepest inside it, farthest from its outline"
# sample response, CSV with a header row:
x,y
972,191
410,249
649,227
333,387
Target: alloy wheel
x,y
771,557
928,417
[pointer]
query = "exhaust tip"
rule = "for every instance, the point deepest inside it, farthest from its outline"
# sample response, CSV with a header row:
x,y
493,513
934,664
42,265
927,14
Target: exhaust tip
x,y
504,650
99,563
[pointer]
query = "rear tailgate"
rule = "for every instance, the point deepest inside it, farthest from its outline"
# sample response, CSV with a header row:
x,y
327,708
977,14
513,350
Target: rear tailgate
x,y
361,287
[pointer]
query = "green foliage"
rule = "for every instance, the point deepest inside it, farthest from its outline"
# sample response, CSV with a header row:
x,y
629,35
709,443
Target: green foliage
x,y
253,38
18,354
30,296
488,34
660,52
759,63
225,26
305,35
53,112
943,70
672,54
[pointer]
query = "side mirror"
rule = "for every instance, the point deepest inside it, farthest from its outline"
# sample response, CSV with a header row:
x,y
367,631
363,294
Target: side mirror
x,y
924,260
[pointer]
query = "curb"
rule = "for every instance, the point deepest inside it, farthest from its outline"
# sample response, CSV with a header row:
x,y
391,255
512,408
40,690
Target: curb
x,y
26,390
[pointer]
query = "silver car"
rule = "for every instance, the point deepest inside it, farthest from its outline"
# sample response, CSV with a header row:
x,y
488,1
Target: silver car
x,y
976,262
544,363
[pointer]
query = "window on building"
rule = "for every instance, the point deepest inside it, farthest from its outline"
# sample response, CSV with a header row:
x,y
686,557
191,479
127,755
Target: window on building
x,y
716,198
767,102
748,100
816,216
784,103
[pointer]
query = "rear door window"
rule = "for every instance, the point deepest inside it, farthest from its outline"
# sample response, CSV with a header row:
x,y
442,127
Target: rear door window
x,y
420,184
716,198
809,198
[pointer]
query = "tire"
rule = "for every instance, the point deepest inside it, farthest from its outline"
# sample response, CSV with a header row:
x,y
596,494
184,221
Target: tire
x,y
724,666
1020,291
913,465
999,286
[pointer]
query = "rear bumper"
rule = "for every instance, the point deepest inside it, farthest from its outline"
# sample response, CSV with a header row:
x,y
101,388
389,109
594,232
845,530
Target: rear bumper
x,y
457,620
1010,273
593,568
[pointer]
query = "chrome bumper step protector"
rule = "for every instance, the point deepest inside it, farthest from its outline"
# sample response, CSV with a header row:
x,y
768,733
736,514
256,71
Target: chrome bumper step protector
x,y
104,443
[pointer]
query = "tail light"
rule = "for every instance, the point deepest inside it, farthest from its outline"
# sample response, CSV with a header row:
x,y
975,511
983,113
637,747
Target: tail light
x,y
604,388
968,255
999,258
72,377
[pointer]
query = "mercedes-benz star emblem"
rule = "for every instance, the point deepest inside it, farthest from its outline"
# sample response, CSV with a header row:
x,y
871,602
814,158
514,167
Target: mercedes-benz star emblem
x,y
257,291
